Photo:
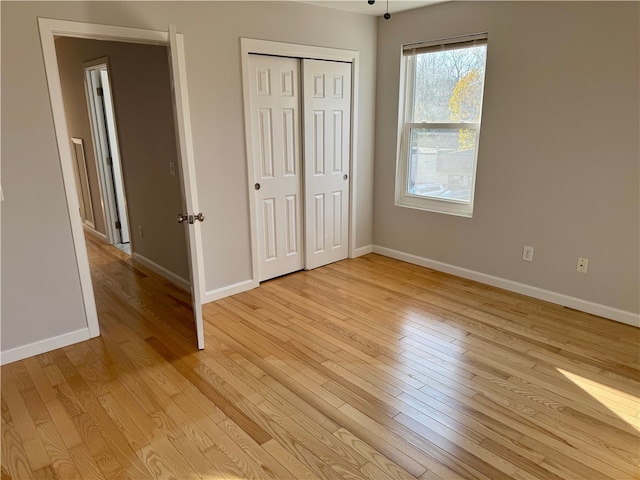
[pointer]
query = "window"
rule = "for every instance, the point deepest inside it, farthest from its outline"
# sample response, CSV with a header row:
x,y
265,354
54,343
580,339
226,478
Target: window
x,y
440,124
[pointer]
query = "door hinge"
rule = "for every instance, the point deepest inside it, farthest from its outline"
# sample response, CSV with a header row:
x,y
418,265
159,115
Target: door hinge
x,y
100,91
118,225
109,161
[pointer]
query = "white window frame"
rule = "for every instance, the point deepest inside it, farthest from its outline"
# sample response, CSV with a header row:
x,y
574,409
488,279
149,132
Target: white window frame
x,y
402,196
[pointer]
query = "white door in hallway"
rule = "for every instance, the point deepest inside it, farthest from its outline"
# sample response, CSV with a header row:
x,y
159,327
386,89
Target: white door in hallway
x,y
275,128
327,147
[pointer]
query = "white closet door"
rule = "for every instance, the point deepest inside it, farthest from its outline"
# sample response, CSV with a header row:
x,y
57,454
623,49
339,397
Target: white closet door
x,y
274,105
327,146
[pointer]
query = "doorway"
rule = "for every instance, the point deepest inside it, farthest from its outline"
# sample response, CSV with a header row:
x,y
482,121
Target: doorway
x,y
174,43
300,110
107,152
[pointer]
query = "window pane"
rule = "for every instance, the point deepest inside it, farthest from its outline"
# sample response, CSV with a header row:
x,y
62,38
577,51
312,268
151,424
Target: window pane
x,y
441,163
448,85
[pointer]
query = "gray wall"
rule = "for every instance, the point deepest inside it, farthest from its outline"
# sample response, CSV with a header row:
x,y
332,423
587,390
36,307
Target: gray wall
x,y
40,289
77,115
144,117
558,163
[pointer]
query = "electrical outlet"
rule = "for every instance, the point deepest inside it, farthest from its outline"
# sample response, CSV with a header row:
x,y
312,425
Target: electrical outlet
x,y
172,168
140,232
583,263
527,253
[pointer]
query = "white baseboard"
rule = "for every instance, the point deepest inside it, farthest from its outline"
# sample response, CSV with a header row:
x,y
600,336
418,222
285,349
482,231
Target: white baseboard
x,y
43,346
358,252
172,277
611,313
217,294
95,233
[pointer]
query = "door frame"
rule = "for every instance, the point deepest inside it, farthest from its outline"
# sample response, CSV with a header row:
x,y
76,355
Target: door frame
x,y
107,184
266,47
50,28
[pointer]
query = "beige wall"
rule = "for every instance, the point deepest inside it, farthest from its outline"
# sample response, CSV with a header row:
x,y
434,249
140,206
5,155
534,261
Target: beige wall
x,y
77,114
558,166
40,290
144,117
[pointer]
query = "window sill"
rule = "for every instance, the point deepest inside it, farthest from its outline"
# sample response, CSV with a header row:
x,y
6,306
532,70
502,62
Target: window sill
x,y
448,207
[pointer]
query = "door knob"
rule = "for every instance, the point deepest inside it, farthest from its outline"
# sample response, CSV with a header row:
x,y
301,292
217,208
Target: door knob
x,y
345,176
257,186
190,219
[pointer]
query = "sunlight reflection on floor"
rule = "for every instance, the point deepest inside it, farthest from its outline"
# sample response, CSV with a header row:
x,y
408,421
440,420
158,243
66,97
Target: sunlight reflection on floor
x,y
606,396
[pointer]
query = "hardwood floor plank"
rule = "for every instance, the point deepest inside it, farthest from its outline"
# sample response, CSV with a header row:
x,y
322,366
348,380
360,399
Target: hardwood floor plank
x,y
97,446
19,375
373,456
86,463
61,461
191,453
330,450
259,435
14,458
425,452
267,463
46,473
22,424
294,466
157,466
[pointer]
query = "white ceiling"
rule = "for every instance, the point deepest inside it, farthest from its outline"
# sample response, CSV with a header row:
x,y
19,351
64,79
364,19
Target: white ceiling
x,y
377,9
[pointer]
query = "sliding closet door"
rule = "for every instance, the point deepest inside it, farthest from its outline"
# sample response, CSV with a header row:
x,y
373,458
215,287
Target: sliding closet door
x,y
327,146
275,132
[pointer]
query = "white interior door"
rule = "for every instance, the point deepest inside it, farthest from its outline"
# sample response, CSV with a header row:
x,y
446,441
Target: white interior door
x,y
114,150
187,174
327,143
275,104
102,151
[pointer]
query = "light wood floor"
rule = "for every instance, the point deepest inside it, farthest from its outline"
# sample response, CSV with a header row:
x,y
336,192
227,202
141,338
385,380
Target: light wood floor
x,y
368,368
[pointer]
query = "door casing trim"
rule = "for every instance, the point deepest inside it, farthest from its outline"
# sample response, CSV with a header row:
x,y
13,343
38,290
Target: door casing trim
x,y
49,29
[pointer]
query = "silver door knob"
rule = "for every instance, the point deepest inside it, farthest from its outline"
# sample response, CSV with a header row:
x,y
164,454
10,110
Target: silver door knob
x,y
181,218
199,217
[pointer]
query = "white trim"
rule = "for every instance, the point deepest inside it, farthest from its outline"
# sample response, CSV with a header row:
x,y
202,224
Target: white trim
x,y
611,313
246,93
218,293
48,28
294,50
358,252
160,270
42,346
95,233
355,81
94,31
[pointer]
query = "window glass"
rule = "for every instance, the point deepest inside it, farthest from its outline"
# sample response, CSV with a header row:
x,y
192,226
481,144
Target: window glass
x,y
440,127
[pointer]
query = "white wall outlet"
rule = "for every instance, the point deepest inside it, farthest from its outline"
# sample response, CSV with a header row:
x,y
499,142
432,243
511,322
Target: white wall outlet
x,y
583,263
140,232
527,253
172,168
